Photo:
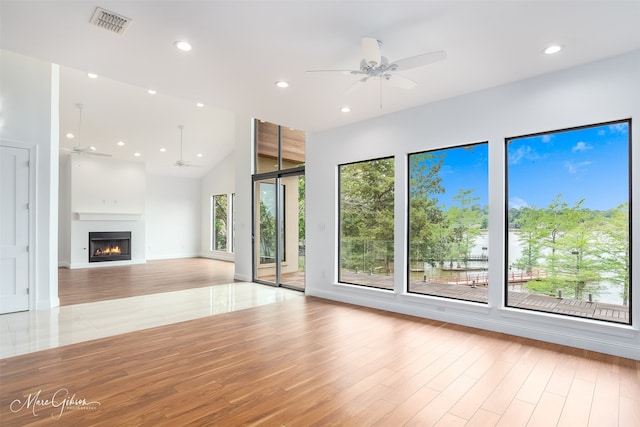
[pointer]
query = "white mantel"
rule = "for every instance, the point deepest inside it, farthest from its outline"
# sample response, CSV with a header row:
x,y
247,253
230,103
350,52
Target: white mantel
x,y
108,216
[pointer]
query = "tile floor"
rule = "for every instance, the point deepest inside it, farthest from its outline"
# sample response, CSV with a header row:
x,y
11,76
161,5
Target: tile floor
x,y
31,331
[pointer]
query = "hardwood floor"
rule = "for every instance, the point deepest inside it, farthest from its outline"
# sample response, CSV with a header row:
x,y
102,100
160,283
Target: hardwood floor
x,y
310,361
105,283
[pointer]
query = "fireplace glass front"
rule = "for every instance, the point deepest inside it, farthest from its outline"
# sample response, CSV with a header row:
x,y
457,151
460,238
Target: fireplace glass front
x,y
109,246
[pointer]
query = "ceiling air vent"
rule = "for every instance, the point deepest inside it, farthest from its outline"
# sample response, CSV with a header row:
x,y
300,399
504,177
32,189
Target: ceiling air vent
x,y
110,21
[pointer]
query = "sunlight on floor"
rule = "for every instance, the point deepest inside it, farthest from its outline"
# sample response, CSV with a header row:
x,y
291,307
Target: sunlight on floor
x,y
31,331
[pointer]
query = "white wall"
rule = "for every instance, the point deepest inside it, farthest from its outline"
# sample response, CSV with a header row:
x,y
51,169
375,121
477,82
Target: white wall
x,y
64,212
597,92
29,117
221,180
173,217
243,170
116,203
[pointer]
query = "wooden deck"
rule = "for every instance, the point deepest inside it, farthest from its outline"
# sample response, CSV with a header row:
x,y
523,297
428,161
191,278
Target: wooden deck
x,y
475,289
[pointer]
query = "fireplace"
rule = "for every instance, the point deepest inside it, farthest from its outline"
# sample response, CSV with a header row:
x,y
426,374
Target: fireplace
x,y
109,246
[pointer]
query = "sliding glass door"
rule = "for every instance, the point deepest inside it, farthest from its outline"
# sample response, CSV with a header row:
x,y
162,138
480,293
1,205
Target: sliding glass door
x,y
278,230
278,205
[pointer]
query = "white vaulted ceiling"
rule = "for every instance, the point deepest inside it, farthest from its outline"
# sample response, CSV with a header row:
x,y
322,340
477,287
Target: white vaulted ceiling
x,y
240,48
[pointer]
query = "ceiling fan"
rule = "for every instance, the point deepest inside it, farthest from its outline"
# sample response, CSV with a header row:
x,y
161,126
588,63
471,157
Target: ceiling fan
x,y
375,66
79,149
182,163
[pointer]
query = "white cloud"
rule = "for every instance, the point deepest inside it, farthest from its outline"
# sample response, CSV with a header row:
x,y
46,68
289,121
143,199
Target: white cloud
x,y
547,138
517,203
618,128
576,167
581,146
524,152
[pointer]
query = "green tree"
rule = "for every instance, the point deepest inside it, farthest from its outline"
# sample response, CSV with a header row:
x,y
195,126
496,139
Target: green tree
x,y
427,222
551,224
267,234
612,247
465,222
220,222
367,213
301,205
528,225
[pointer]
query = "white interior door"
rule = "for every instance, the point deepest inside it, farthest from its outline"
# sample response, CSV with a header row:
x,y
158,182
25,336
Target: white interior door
x,y
14,229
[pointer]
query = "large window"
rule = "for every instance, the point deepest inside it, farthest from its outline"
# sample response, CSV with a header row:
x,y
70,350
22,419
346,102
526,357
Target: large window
x,y
366,223
448,218
568,222
222,222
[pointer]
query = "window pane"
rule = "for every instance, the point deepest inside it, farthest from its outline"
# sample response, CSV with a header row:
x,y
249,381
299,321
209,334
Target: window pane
x,y
269,137
568,222
293,148
233,222
266,147
220,227
366,223
448,219
267,224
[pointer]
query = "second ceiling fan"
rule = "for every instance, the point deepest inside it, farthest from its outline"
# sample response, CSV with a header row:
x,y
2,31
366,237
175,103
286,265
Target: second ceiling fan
x,y
180,162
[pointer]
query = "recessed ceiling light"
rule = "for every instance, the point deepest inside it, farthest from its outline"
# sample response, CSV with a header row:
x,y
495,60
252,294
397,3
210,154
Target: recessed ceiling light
x,y
92,75
92,148
120,143
137,154
70,135
162,150
199,154
345,109
199,104
152,92
282,84
182,45
554,48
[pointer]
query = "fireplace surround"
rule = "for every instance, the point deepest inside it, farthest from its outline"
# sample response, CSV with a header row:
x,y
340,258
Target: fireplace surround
x,y
109,246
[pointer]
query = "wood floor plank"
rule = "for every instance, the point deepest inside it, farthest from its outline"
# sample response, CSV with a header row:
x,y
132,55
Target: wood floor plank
x,y
577,408
309,361
547,411
85,285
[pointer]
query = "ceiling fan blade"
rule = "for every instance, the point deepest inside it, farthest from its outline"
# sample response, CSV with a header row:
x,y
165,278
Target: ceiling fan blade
x,y
334,71
95,153
356,85
84,150
401,82
371,50
420,60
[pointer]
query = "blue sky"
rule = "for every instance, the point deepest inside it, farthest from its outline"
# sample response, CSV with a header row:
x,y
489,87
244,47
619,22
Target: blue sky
x,y
590,163
464,168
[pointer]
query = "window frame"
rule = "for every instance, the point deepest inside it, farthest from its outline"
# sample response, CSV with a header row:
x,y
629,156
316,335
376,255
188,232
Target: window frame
x,y
339,227
230,228
506,267
408,226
